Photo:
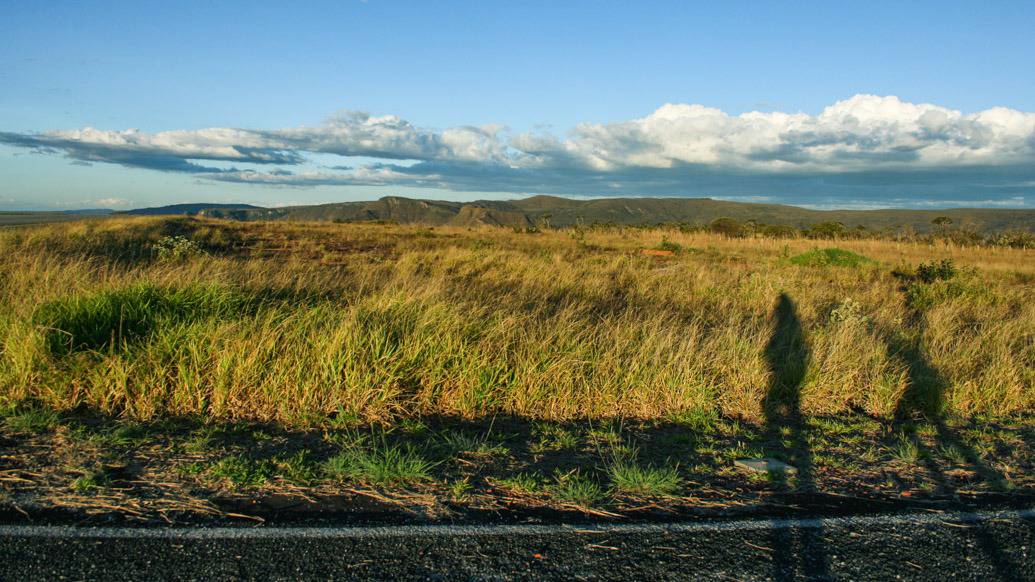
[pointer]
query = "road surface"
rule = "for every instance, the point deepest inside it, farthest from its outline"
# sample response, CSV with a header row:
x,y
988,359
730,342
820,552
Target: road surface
x,y
986,545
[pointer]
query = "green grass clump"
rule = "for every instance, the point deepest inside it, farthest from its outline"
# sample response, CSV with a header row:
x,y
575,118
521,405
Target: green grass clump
x,y
667,245
457,442
526,483
298,468
641,480
698,420
242,471
551,437
31,420
91,481
120,435
907,450
384,464
830,257
112,318
576,489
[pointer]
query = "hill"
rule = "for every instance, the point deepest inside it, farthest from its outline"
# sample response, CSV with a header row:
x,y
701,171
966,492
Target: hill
x,y
190,209
563,212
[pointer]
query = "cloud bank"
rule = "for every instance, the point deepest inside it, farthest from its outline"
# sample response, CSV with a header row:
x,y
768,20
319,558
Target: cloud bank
x,y
864,146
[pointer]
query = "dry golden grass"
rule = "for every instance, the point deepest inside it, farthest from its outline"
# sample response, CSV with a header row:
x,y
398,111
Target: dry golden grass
x,y
305,323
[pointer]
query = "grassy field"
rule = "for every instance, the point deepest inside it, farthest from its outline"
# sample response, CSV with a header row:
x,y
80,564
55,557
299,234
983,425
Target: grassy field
x,y
301,323
380,338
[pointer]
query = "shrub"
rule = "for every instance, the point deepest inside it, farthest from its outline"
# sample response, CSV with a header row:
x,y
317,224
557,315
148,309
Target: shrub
x,y
831,257
961,236
667,245
848,311
176,248
778,231
921,296
931,272
827,230
1018,239
728,227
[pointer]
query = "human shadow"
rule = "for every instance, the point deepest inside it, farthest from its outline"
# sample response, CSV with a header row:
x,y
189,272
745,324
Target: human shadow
x,y
787,355
924,401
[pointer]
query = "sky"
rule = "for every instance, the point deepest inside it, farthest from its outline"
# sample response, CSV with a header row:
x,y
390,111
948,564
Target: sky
x,y
825,104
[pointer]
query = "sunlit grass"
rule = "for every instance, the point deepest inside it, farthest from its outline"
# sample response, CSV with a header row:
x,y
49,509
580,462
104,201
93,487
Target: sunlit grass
x,y
324,324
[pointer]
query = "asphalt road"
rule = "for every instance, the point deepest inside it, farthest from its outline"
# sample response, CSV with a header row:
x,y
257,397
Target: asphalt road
x,y
926,546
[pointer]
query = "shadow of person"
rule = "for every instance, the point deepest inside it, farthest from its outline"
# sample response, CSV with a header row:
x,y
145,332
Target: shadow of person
x,y
787,355
924,399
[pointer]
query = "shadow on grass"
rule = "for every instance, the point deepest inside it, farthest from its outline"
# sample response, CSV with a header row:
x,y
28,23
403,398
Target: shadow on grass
x,y
787,355
924,401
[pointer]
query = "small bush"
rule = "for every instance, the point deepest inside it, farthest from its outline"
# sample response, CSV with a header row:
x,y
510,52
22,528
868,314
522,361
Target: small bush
x,y
728,227
831,257
667,245
1017,239
849,312
175,249
827,230
931,272
921,296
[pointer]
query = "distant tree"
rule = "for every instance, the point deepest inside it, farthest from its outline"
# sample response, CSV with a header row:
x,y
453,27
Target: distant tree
x,y
728,226
827,230
779,231
942,222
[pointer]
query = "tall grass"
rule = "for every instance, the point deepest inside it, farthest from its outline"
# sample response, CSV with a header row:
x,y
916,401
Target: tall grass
x,y
301,322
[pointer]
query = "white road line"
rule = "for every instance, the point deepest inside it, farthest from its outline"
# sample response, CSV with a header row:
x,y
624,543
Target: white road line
x,y
281,532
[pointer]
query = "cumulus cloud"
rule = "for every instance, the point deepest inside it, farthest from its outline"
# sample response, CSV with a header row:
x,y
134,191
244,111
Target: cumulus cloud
x,y
866,141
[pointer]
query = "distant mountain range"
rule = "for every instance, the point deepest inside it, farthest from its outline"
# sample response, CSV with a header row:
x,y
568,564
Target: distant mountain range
x,y
562,212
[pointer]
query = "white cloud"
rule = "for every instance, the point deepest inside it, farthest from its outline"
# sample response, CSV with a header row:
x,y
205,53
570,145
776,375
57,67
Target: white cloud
x,y
676,146
863,132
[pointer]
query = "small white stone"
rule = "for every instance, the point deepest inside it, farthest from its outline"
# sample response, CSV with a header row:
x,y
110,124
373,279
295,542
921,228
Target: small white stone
x,y
765,466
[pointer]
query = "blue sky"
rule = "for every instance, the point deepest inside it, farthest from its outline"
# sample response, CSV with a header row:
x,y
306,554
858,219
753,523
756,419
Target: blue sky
x,y
887,104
